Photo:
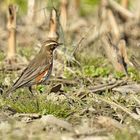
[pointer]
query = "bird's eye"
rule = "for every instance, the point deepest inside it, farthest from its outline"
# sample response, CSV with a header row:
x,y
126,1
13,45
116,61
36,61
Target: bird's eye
x,y
53,47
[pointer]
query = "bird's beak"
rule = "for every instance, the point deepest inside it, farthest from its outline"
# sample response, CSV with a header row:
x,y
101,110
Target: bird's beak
x,y
59,44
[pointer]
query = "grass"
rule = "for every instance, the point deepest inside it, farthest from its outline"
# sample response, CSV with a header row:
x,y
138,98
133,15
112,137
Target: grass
x,y
83,108
85,105
95,68
39,104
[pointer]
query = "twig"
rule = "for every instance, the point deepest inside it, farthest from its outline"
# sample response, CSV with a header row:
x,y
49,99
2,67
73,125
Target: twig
x,y
32,116
109,86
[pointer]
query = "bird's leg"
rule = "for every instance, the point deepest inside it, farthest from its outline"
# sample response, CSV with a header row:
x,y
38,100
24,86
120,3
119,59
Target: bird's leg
x,y
31,91
1,91
34,96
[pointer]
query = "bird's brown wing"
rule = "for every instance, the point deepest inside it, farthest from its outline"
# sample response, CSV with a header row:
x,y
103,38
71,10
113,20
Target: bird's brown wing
x,y
33,70
27,78
29,75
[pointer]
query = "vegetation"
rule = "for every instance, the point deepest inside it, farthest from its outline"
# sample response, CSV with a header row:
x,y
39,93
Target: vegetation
x,y
95,99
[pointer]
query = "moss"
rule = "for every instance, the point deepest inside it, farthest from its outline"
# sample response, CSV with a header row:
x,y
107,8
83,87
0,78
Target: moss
x,y
25,103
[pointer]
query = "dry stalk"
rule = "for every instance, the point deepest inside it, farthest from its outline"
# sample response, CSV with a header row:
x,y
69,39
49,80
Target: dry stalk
x,y
63,14
123,52
11,26
114,55
113,24
53,25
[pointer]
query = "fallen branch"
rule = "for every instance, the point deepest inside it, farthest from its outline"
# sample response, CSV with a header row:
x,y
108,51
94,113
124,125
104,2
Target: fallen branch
x,y
110,86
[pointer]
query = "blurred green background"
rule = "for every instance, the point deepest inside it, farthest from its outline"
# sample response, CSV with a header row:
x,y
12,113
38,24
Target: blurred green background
x,y
85,7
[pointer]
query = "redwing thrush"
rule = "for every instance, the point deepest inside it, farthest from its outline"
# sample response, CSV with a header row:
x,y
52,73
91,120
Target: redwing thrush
x,y
39,69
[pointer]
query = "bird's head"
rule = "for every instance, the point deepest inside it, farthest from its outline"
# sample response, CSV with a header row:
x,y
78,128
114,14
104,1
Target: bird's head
x,y
51,45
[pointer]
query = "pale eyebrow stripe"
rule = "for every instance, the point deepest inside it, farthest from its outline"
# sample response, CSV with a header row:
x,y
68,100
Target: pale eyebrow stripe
x,y
52,43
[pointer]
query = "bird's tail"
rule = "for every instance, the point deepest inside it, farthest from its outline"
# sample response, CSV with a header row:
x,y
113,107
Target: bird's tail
x,y
8,92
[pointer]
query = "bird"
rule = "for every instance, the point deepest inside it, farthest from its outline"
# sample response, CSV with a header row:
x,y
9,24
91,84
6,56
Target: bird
x,y
38,70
